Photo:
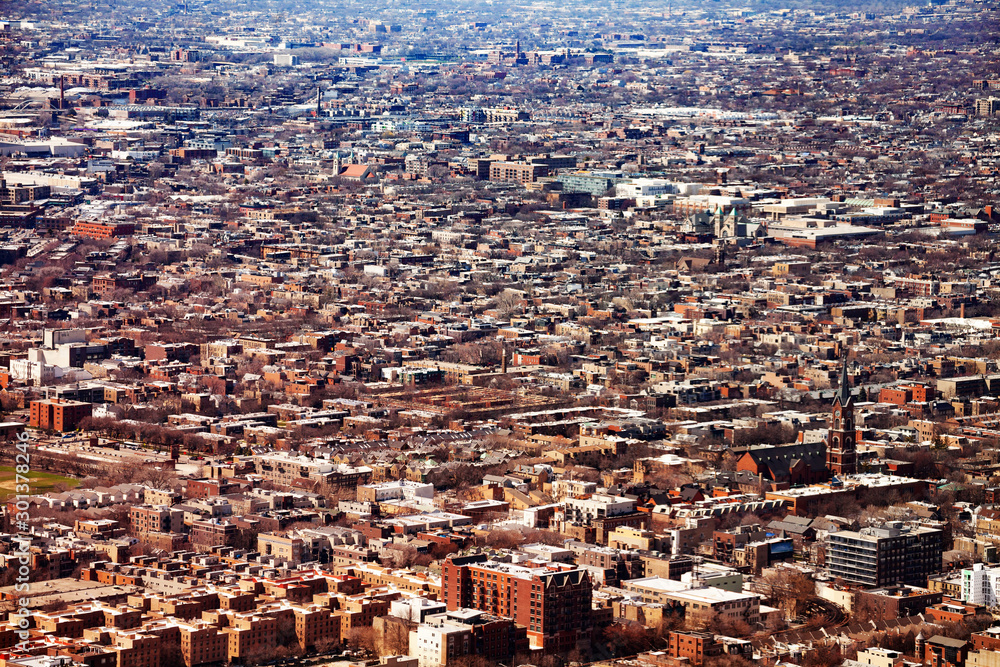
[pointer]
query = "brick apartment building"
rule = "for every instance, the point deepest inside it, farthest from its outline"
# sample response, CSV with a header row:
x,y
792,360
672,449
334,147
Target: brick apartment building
x,y
315,626
892,602
136,649
552,601
202,644
695,646
908,393
146,519
517,172
107,284
945,652
208,533
56,414
252,636
102,230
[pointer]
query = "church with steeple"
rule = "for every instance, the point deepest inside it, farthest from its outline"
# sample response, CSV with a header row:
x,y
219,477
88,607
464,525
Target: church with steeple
x,y
731,228
841,456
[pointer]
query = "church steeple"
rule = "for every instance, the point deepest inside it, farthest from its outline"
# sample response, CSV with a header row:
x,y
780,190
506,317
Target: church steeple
x,y
841,456
844,391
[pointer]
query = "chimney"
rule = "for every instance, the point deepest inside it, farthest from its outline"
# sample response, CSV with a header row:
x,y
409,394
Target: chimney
x,y
961,311
62,92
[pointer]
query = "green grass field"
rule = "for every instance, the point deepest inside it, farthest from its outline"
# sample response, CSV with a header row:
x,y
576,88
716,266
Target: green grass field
x,y
39,482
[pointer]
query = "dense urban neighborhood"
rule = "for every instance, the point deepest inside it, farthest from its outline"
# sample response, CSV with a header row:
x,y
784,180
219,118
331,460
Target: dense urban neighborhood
x,y
651,334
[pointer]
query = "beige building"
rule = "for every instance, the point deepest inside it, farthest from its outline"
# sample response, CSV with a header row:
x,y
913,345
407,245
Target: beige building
x,y
625,537
287,549
251,637
704,602
135,649
202,644
316,628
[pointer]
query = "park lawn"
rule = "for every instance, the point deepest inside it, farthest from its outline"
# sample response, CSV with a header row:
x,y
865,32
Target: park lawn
x,y
39,482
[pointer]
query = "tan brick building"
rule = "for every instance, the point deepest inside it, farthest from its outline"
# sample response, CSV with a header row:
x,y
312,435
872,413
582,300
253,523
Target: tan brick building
x,y
201,644
251,637
316,628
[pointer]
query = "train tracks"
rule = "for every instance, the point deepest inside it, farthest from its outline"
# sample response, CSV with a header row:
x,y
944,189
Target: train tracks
x,y
822,616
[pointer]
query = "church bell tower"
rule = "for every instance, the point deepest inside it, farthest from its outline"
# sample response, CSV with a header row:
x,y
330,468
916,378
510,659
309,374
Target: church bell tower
x,y
841,456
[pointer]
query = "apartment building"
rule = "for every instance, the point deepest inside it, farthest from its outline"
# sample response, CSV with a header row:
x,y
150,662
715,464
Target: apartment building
x,y
705,602
202,644
207,533
102,230
883,556
552,600
359,612
251,636
401,580
237,601
891,602
442,638
567,488
988,106
316,627
693,646
517,172
981,585
155,519
395,490
57,414
123,617
287,549
437,645
285,469
588,508
137,649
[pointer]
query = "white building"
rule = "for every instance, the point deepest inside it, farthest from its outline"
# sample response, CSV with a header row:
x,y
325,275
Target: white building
x,y
566,488
654,201
645,187
54,181
980,585
534,517
434,645
396,490
585,510
416,609
877,657
37,373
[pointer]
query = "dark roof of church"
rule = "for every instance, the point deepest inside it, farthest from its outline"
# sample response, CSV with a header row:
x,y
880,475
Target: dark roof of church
x,y
779,460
